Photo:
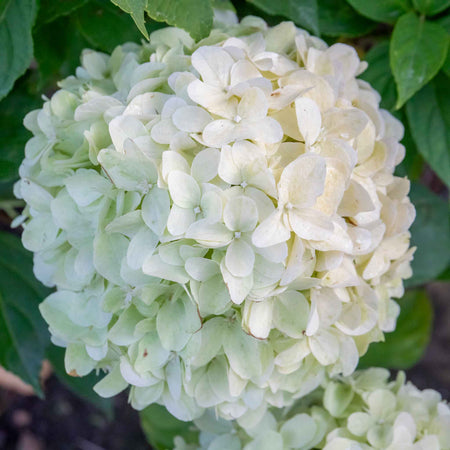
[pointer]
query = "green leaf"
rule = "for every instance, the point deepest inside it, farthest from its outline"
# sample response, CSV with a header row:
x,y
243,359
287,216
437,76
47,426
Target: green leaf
x,y
337,18
418,50
57,58
15,42
81,386
13,134
431,7
405,346
381,10
105,26
430,233
23,333
429,118
4,4
379,75
160,427
194,16
136,8
49,10
303,12
413,163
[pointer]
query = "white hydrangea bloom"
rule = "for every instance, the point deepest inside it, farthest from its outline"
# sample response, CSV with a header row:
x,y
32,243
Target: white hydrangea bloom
x,y
365,411
220,219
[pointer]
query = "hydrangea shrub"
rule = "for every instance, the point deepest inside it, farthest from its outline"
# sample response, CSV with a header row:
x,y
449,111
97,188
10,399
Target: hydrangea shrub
x,y
361,412
220,218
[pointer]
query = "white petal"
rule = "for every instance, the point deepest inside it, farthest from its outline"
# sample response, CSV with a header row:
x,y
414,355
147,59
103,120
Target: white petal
x,y
155,267
271,231
238,287
213,64
309,119
211,235
184,190
172,160
309,223
179,220
155,210
325,347
302,181
240,258
240,214
192,119
253,105
219,132
124,127
258,318
205,165
141,246
201,269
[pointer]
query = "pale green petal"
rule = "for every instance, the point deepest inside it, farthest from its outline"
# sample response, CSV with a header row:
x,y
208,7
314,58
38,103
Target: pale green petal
x,y
240,258
156,209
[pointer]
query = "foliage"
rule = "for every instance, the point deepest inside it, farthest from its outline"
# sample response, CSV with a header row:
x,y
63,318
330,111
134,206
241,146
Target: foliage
x,y
405,42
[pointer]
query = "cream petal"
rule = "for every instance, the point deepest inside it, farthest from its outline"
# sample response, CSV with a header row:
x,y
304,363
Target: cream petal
x,y
309,119
271,231
309,223
184,190
240,214
179,220
240,258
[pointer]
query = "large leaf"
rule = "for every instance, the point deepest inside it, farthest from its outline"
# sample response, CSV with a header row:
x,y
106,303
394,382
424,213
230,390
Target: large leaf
x,y
337,18
431,7
136,8
429,118
405,346
13,135
23,333
194,16
15,41
57,58
381,10
413,163
49,10
379,75
418,50
81,386
160,427
105,26
303,12
431,234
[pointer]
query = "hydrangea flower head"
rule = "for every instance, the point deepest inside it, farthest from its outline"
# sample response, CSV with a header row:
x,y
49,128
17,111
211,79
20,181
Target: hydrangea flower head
x,y
220,218
364,411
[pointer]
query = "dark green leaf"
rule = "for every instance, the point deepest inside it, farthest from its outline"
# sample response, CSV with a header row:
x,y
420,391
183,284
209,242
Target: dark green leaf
x,y
337,18
13,134
303,12
57,58
4,4
381,10
379,75
444,22
81,386
23,333
429,117
413,163
418,50
430,233
431,7
405,346
105,26
445,275
160,427
15,42
136,8
194,16
49,10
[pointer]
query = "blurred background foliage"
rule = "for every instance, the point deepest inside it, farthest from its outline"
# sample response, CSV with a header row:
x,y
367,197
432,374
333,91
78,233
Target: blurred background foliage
x,y
406,45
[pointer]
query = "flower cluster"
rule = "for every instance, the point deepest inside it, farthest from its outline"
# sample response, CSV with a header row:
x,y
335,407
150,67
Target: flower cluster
x,y
220,219
361,412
